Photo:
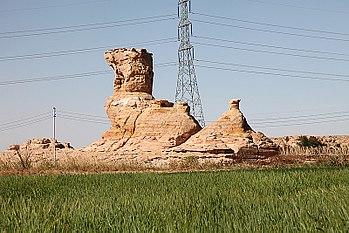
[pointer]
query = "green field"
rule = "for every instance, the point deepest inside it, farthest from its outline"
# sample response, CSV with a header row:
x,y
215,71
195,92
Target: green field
x,y
297,200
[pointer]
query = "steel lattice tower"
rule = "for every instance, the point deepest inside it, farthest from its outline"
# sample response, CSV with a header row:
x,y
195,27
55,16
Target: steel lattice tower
x,y
187,87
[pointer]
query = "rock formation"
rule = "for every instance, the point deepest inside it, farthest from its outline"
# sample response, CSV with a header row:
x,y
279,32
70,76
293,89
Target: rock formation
x,y
139,123
327,141
33,152
133,69
231,136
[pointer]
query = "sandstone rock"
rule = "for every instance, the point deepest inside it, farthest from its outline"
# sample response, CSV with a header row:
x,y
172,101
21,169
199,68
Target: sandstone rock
x,y
230,135
123,110
33,152
133,69
39,144
139,122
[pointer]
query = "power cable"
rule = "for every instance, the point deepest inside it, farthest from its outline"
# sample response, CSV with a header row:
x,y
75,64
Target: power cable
x,y
30,122
272,52
81,114
53,78
167,64
24,119
54,6
83,25
271,31
272,46
302,116
303,123
307,118
81,119
318,116
269,68
262,122
78,28
300,7
68,76
273,125
271,25
274,74
85,50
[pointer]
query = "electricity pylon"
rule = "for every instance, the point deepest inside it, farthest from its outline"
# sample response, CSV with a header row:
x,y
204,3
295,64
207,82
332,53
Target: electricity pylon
x,y
187,87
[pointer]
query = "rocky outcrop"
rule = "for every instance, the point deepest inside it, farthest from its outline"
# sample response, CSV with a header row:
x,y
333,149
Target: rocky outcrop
x,y
139,122
327,141
33,152
230,136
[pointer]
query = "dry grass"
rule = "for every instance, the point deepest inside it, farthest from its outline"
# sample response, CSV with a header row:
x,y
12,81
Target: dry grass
x,y
289,157
337,156
314,151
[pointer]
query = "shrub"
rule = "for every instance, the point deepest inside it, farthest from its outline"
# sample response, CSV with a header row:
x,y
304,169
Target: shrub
x,y
312,141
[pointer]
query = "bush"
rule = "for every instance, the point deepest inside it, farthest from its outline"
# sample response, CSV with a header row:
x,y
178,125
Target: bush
x,y
312,141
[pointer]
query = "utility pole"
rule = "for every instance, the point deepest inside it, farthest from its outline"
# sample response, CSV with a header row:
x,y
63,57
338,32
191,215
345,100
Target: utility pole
x,y
54,134
187,87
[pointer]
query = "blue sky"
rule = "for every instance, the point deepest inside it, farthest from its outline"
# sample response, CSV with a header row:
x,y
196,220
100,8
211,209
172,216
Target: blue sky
x,y
303,36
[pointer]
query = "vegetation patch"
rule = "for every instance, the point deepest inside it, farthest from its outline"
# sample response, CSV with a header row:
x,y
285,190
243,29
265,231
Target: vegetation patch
x,y
284,200
310,141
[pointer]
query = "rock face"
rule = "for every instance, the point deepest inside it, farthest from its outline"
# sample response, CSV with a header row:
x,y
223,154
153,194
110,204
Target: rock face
x,y
133,69
230,135
140,123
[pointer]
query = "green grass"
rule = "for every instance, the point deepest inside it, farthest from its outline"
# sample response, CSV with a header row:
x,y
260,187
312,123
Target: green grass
x,y
298,200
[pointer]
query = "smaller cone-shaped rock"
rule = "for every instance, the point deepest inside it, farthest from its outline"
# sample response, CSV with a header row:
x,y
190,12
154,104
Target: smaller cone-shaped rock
x,y
229,135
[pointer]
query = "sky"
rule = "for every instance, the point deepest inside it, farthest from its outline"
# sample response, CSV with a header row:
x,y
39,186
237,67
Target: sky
x,y
286,60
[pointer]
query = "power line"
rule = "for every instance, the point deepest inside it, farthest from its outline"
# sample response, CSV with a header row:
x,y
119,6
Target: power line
x,y
271,31
24,119
328,117
78,28
319,116
272,52
85,50
300,7
299,120
26,123
304,123
167,64
313,118
269,68
69,76
274,74
53,78
54,6
82,115
299,117
83,25
81,119
271,25
272,46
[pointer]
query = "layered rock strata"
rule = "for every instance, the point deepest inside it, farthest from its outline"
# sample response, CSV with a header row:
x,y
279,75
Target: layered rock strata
x,y
140,123
230,136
